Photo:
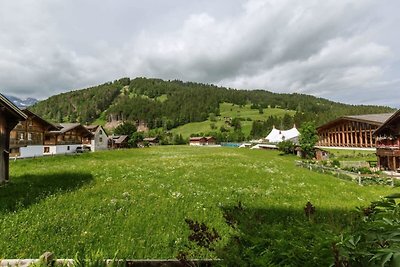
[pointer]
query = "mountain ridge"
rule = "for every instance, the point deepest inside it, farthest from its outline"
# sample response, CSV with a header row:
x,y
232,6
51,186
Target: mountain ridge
x,y
169,104
22,103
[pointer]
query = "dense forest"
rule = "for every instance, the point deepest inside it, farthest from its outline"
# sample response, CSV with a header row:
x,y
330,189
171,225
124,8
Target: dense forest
x,y
169,104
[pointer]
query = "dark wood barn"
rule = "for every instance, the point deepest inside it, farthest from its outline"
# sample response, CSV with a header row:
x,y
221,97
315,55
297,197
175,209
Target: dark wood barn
x,y
10,115
388,143
351,131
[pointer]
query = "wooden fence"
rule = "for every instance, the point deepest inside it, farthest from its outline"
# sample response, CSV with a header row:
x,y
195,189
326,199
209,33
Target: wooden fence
x,y
361,179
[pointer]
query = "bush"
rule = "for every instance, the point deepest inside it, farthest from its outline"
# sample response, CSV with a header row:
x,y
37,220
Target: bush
x,y
335,163
375,239
287,147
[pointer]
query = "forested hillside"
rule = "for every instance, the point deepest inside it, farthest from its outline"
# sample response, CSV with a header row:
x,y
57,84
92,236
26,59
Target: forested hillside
x,y
170,104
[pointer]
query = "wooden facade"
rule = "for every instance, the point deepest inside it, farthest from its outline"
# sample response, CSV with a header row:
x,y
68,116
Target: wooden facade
x,y
351,131
197,141
119,141
10,115
387,144
30,132
211,140
152,141
202,141
68,134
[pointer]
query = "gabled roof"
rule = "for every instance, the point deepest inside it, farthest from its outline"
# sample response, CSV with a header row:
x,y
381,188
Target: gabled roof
x,y
387,123
43,121
197,138
374,119
13,109
66,127
118,139
94,128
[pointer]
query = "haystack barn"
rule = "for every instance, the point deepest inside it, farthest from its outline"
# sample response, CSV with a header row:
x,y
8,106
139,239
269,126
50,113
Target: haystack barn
x,y
387,138
10,115
351,131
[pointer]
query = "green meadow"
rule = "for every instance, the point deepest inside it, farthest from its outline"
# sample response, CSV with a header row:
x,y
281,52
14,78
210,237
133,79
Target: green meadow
x,y
133,203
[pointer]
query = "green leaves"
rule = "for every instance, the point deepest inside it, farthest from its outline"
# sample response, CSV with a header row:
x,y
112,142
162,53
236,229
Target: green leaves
x,y
308,139
375,240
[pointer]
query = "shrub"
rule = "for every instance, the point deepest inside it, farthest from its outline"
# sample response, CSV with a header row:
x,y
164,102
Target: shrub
x,y
375,239
335,163
287,147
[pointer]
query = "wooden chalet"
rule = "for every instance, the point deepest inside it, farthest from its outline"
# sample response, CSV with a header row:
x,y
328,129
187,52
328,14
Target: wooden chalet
x,y
197,141
387,138
66,138
28,137
210,140
202,141
119,141
151,140
10,115
351,131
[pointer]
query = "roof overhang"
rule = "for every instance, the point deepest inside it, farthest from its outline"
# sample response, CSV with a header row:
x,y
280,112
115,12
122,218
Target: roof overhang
x,y
347,118
13,109
43,121
386,124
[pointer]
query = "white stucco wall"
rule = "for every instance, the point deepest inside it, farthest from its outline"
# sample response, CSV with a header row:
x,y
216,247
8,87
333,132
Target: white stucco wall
x,y
96,144
63,149
31,151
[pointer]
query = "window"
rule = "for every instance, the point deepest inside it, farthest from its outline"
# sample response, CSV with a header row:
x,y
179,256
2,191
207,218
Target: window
x,y
46,149
68,148
101,139
29,136
100,132
14,152
21,136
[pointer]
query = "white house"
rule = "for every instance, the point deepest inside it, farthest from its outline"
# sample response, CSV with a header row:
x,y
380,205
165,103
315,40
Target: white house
x,y
99,140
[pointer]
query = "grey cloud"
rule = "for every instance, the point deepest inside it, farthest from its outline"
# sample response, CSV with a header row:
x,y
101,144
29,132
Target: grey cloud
x,y
334,49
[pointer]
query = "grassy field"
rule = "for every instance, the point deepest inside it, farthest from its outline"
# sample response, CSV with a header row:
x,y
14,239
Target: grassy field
x,y
231,111
135,202
352,155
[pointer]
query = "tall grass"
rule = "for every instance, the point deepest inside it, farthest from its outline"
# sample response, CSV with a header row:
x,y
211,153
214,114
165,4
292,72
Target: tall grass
x,y
135,202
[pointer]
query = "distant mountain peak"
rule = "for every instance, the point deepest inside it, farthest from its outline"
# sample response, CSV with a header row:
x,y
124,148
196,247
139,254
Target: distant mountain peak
x,y
22,103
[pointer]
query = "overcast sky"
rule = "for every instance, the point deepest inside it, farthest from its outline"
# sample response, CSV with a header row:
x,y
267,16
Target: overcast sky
x,y
346,51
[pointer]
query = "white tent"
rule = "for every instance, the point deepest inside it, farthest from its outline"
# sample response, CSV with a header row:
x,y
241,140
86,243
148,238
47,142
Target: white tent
x,y
277,136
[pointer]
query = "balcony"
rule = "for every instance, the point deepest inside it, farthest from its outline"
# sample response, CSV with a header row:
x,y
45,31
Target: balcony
x,y
21,143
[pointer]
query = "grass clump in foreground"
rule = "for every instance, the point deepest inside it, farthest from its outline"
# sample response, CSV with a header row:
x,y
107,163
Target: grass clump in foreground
x,y
137,203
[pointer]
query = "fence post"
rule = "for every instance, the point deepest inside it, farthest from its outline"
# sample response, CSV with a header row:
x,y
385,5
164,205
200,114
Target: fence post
x,y
392,179
359,178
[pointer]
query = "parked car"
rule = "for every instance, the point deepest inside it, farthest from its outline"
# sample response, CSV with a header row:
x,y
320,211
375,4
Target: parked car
x,y
82,149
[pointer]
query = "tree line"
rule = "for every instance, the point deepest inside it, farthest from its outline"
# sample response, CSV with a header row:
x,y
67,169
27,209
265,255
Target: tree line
x,y
168,104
